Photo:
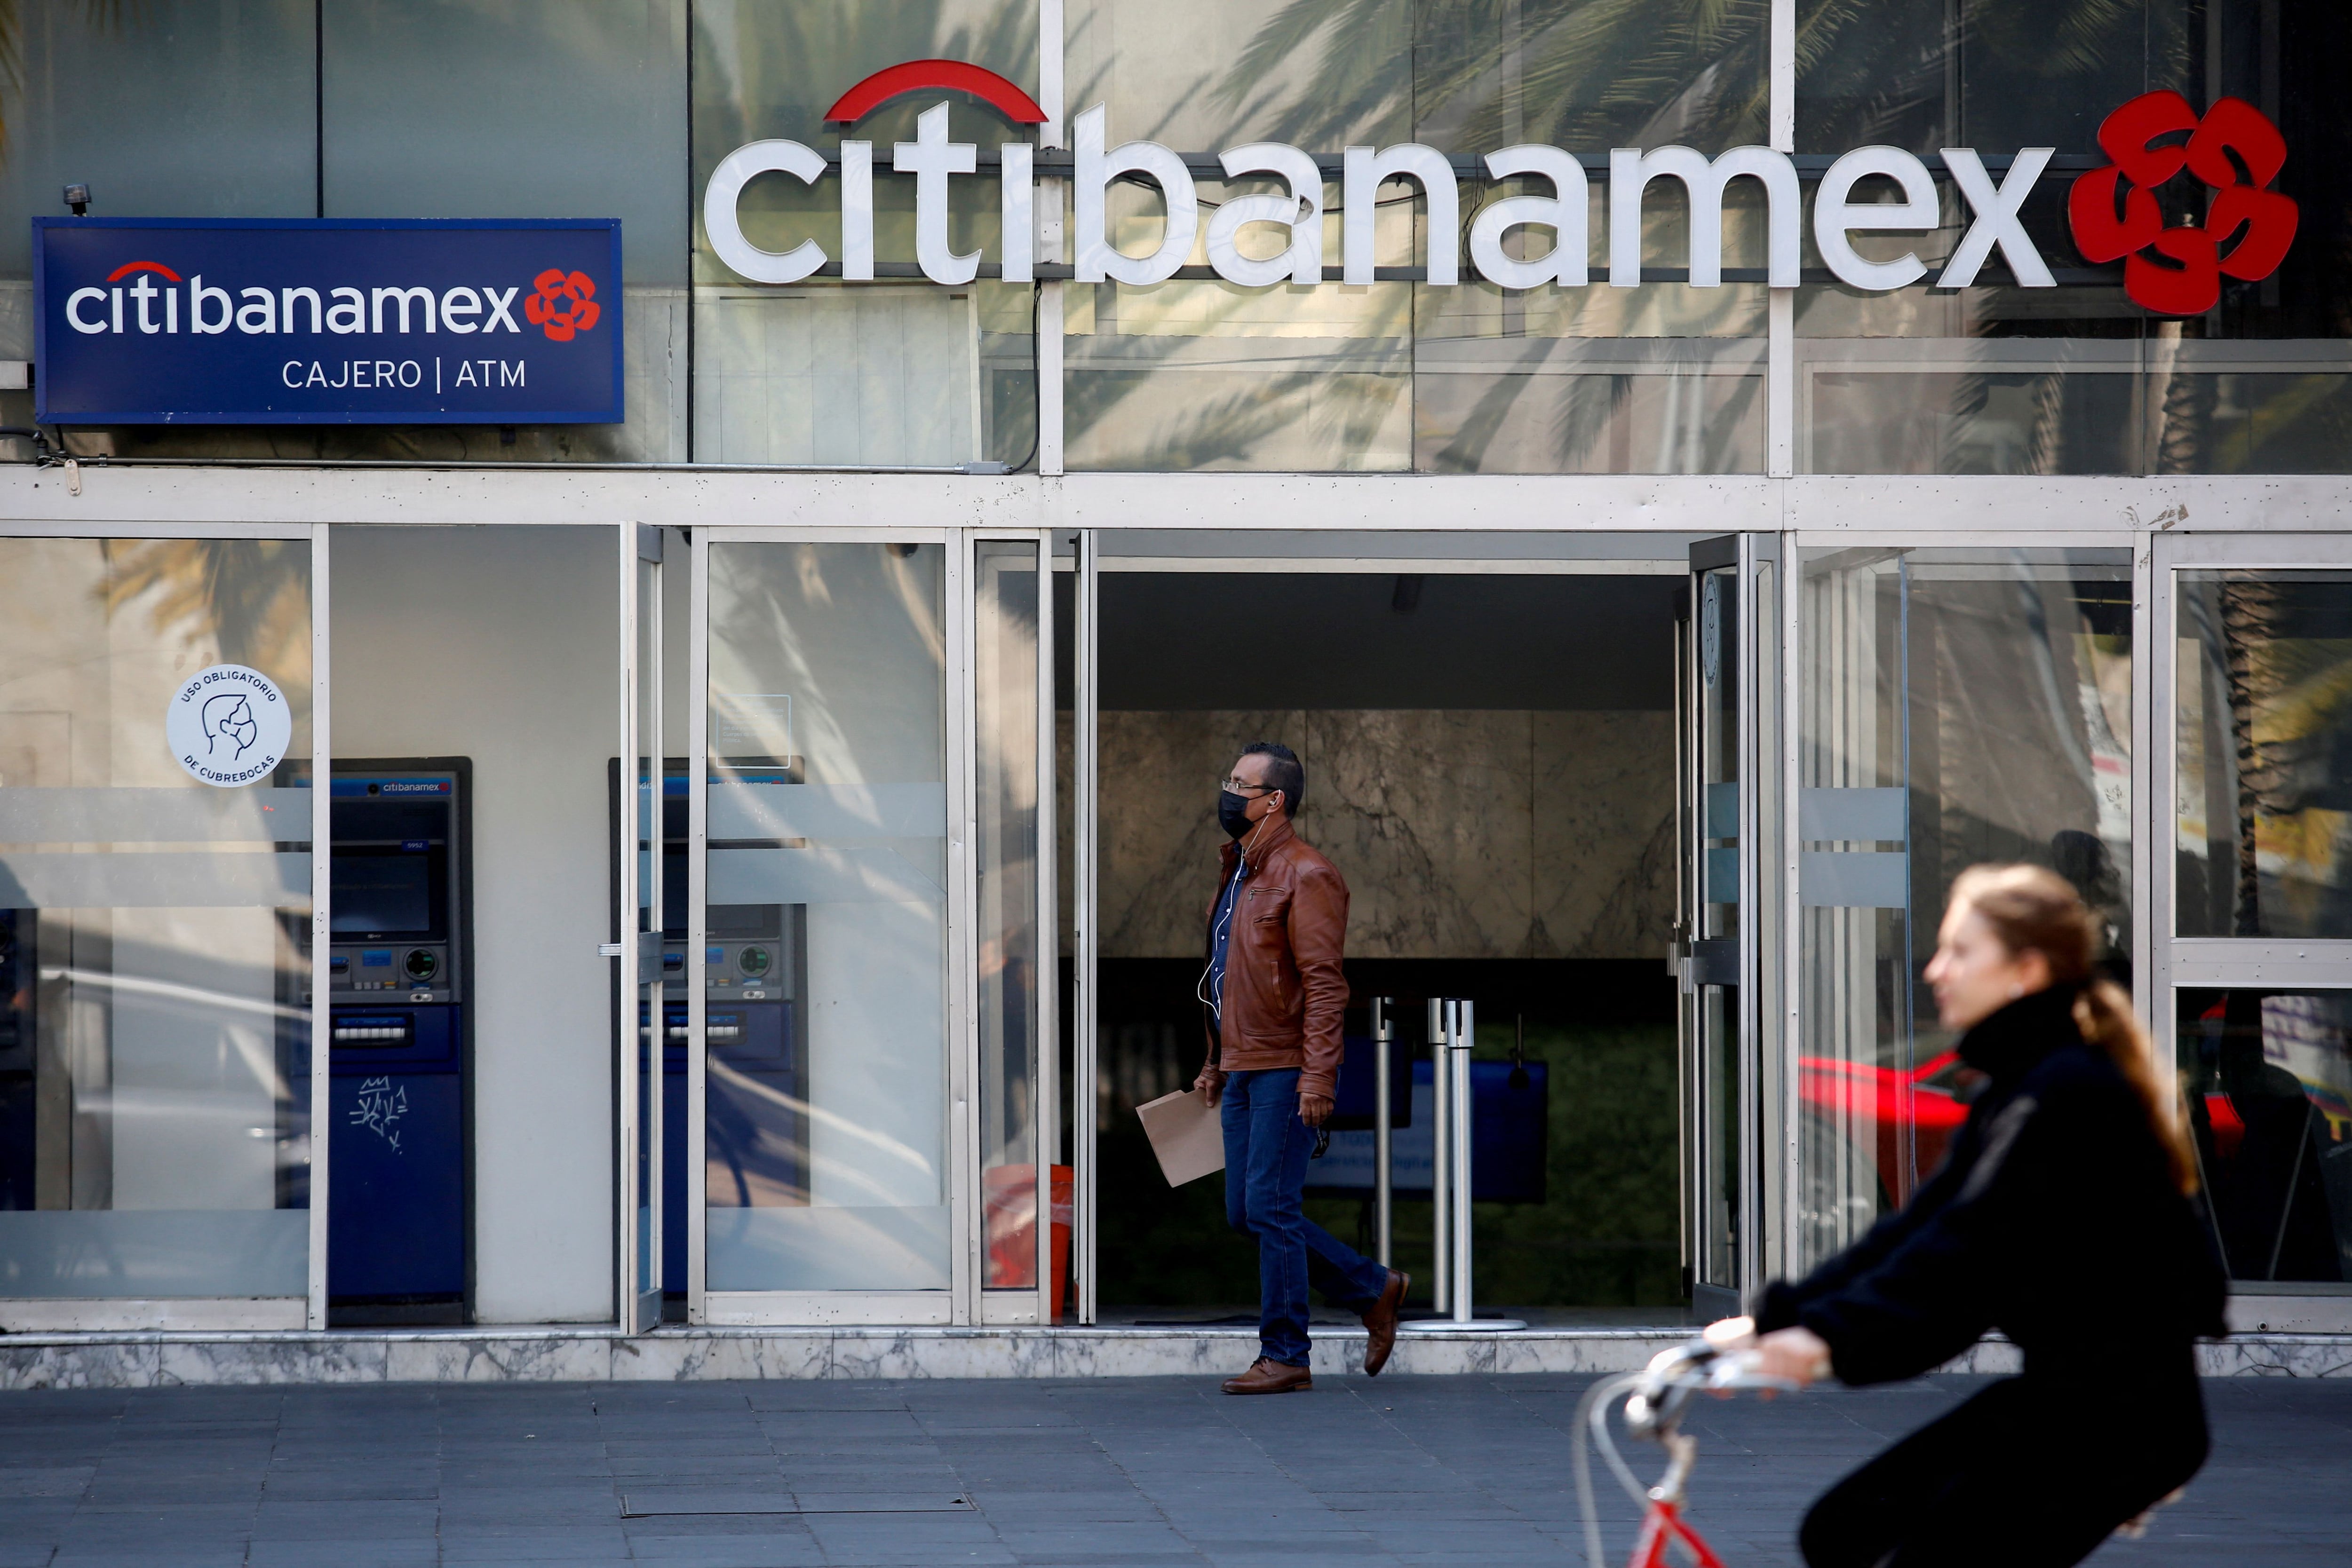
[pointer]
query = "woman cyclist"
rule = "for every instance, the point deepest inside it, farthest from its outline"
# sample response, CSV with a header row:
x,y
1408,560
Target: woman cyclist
x,y
2062,1218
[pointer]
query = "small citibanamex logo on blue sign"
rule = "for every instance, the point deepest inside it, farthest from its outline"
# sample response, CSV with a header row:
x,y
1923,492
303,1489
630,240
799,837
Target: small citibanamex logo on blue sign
x,y
165,320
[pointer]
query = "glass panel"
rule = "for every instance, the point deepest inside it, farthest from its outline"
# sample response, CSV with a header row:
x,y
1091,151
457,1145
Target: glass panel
x,y
1004,681
584,101
210,111
826,1119
1197,373
822,371
286,108
216,117
154,930
1200,373
2268,1077
1720,1162
2077,379
2262,790
1957,706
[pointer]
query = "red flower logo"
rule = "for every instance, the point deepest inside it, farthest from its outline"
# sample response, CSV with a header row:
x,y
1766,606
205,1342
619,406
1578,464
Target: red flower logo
x,y
2234,150
564,303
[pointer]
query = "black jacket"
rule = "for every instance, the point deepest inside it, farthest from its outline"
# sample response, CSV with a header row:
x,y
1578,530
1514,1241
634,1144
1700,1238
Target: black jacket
x,y
2054,1220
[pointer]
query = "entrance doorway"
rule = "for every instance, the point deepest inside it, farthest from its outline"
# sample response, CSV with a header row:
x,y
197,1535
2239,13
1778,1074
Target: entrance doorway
x,y
1487,723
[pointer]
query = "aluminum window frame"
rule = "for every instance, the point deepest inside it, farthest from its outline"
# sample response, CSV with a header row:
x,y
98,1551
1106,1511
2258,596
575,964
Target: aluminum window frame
x,y
2177,962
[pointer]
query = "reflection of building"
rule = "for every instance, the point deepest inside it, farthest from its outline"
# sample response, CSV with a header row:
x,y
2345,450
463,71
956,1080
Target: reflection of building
x,y
1659,653
2310,1037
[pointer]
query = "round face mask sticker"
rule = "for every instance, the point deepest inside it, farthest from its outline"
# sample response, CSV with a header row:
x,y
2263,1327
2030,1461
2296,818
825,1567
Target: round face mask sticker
x,y
228,726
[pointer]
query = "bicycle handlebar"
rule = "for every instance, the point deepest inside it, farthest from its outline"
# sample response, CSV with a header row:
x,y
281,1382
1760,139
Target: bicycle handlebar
x,y
1655,1399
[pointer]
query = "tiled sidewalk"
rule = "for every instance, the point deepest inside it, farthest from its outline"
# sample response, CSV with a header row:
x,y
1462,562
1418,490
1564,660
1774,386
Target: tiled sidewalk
x,y
1098,1474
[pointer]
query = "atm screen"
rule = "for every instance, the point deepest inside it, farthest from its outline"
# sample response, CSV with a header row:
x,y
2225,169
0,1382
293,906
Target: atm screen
x,y
383,895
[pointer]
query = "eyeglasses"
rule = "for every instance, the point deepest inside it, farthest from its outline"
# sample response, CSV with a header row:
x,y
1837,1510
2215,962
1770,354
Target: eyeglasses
x,y
1235,786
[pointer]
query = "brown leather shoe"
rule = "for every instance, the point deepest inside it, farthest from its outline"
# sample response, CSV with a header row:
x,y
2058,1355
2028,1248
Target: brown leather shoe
x,y
1267,1376
1381,1320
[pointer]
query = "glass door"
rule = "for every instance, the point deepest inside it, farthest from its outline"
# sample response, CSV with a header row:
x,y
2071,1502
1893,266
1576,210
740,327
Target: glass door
x,y
2253,945
162,889
1960,703
641,1023
826,959
1714,821
1025,1188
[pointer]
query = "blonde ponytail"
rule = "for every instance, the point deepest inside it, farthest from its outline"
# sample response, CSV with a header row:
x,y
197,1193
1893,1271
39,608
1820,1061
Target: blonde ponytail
x,y
2104,1014
2033,909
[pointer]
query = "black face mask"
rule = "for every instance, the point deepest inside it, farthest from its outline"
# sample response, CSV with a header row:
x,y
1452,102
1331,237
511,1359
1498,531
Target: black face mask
x,y
1233,814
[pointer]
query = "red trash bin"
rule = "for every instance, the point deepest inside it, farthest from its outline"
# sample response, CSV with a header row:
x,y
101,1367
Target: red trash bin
x,y
1009,1222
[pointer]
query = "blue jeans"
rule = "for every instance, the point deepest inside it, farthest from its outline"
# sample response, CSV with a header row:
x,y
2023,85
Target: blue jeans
x,y
1266,1151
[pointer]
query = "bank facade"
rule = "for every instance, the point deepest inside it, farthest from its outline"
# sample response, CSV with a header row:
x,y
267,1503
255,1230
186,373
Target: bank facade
x,y
622,619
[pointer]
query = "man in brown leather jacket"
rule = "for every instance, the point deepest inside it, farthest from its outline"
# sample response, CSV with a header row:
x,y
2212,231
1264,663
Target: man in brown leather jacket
x,y
1274,994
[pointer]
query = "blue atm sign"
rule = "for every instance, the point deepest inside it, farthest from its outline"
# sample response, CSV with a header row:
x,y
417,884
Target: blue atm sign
x,y
296,321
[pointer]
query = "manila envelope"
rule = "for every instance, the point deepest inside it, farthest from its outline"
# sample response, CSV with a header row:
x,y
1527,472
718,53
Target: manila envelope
x,y
1186,1133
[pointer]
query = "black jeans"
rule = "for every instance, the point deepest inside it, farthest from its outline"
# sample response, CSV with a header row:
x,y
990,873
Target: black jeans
x,y
2030,1473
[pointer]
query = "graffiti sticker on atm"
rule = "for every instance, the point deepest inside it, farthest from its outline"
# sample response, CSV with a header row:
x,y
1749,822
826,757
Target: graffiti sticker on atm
x,y
228,726
302,321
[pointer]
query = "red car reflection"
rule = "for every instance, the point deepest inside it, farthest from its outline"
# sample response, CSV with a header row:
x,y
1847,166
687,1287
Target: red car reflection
x,y
1876,1103
1855,1096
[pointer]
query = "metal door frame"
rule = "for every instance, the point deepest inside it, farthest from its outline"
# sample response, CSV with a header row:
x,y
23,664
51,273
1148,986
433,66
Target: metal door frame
x,y
1086,823
638,545
1579,551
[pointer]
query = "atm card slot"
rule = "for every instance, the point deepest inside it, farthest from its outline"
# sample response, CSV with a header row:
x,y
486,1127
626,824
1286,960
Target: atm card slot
x,y
753,1034
381,1040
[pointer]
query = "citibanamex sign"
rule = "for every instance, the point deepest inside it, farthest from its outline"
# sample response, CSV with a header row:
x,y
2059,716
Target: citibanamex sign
x,y
2234,150
1290,241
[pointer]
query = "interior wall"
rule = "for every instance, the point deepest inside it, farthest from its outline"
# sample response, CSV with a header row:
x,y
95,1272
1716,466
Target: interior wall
x,y
498,643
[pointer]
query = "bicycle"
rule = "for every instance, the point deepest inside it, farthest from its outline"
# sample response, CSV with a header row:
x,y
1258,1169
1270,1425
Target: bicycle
x,y
1655,1400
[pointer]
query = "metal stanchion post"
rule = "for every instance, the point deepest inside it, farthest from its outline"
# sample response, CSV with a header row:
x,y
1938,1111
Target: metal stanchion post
x,y
1441,1027
1460,1037
1383,1168
1457,1127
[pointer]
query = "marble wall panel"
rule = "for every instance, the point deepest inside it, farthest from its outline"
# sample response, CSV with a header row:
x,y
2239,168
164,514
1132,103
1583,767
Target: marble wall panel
x,y
553,1358
100,1364
1463,833
318,1358
1427,813
1603,841
866,1354
1159,820
694,1357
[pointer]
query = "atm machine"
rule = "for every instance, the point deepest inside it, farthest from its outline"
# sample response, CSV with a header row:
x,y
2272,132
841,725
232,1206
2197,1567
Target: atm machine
x,y
399,967
753,960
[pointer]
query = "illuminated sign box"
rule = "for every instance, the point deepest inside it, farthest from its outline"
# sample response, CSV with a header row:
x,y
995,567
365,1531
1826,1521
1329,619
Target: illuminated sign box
x,y
327,321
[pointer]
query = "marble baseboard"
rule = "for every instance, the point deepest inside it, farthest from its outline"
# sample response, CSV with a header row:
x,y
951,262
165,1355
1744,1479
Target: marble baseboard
x,y
573,1355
